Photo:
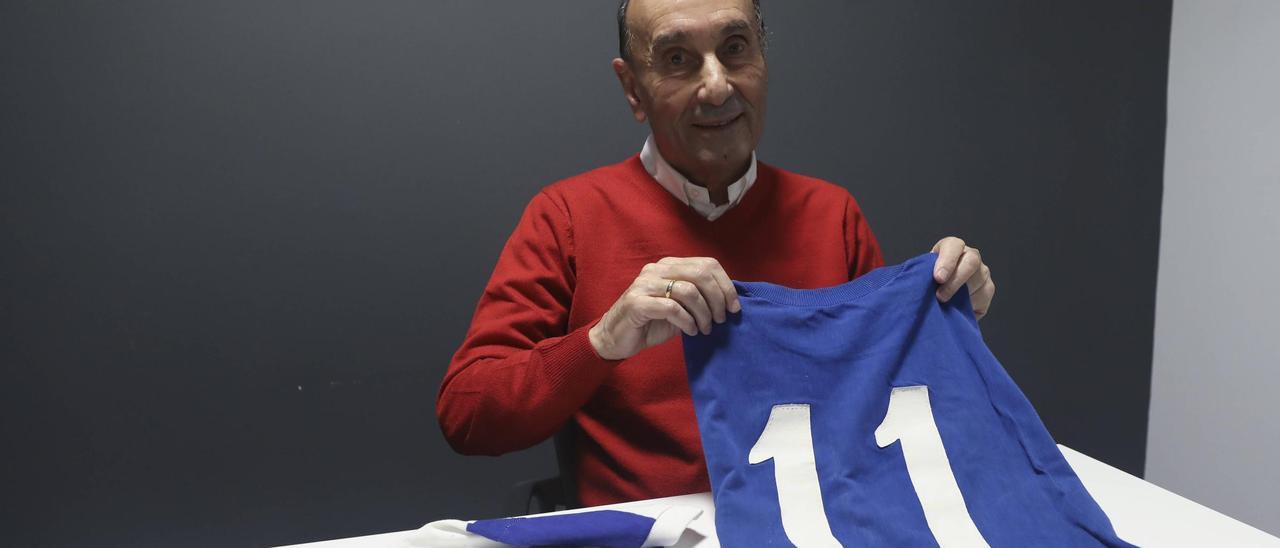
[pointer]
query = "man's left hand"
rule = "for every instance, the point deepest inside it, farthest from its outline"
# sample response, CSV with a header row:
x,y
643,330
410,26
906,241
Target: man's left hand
x,y
959,266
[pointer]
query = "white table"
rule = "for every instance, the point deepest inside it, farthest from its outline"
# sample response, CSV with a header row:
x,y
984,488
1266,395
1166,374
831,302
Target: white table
x,y
1142,514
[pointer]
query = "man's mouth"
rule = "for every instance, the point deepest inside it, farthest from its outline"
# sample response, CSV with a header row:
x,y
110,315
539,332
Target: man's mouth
x,y
714,124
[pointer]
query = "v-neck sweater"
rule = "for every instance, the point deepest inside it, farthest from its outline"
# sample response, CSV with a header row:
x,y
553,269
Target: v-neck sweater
x,y
526,367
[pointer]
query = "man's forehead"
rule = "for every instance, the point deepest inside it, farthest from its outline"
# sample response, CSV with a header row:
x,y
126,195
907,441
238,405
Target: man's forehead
x,y
680,19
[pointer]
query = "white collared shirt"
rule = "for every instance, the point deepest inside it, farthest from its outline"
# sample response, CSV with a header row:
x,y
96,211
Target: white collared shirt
x,y
693,195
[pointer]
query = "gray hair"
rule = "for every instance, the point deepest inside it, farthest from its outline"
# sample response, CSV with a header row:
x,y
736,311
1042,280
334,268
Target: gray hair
x,y
624,33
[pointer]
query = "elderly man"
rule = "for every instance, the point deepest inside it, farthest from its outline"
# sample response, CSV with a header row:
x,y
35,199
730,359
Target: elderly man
x,y
577,324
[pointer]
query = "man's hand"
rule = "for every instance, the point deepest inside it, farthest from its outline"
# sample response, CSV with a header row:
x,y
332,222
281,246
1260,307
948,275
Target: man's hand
x,y
645,315
960,265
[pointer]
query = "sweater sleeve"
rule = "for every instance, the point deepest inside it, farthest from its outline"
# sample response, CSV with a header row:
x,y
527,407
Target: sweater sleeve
x,y
861,247
519,374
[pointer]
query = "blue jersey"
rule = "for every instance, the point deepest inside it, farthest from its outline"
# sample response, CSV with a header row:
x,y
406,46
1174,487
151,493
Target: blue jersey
x,y
871,414
652,525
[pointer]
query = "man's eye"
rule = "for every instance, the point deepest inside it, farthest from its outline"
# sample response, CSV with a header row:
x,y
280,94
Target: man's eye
x,y
736,47
676,58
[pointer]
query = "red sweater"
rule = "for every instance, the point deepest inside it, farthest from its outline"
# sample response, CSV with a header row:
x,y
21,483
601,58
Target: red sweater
x,y
526,366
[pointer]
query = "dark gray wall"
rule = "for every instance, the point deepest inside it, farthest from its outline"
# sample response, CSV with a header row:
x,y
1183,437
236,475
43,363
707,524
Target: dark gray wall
x,y
242,239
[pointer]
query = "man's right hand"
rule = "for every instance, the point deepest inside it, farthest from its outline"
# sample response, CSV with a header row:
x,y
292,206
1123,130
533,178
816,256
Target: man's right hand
x,y
645,316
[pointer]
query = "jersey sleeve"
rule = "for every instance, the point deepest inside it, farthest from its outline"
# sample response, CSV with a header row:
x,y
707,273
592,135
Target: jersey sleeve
x,y
861,248
519,374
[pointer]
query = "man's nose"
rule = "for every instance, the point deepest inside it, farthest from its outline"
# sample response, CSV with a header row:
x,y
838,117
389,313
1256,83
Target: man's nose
x,y
716,88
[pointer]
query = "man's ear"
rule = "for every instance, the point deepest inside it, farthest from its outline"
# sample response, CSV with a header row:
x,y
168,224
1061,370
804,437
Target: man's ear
x,y
628,81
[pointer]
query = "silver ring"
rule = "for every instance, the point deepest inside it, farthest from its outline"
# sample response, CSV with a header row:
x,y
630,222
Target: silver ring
x,y
668,295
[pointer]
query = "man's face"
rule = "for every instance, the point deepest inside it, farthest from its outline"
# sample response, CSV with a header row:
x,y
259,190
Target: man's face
x,y
698,75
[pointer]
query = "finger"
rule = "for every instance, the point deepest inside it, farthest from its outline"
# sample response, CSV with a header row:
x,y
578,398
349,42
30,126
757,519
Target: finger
x,y
659,308
731,302
722,280
949,251
982,299
698,271
970,264
686,294
979,281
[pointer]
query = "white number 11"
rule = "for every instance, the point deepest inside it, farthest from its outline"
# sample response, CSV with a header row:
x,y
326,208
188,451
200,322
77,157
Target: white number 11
x,y
788,440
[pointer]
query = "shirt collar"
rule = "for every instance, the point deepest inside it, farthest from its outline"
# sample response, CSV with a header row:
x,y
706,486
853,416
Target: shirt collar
x,y
693,195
